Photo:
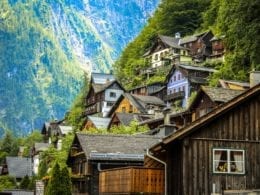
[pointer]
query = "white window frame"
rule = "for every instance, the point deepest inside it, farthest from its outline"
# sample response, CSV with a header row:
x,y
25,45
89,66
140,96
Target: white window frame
x,y
228,167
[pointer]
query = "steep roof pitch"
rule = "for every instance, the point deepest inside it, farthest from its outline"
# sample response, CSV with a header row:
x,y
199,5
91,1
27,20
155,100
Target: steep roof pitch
x,y
193,38
117,147
99,122
101,78
19,166
171,42
138,101
101,87
167,41
204,120
182,67
216,94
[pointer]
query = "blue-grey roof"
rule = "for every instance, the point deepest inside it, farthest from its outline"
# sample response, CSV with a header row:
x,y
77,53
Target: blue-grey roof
x,y
19,167
171,41
65,129
198,68
116,147
101,78
99,122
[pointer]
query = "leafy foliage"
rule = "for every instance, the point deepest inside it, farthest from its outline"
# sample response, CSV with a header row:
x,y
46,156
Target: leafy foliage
x,y
7,182
59,182
25,182
8,146
172,16
239,22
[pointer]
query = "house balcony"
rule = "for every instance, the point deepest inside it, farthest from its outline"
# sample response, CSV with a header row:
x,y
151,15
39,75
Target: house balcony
x,y
175,96
91,109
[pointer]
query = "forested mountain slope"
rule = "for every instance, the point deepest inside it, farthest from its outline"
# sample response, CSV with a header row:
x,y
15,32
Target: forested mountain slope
x,y
238,21
45,45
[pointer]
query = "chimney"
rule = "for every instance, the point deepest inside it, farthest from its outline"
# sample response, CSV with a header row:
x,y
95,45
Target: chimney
x,y
167,128
254,78
177,35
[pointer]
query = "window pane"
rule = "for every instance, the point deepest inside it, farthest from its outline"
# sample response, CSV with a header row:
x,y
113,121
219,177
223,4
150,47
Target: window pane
x,y
220,161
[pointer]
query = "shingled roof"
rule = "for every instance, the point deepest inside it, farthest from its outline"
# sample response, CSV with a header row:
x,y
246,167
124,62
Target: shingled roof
x,y
218,94
99,122
19,167
117,147
171,41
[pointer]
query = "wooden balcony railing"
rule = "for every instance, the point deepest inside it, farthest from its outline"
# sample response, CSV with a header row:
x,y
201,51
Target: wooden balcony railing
x,y
174,96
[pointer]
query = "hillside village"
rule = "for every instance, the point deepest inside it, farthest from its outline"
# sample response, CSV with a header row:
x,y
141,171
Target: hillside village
x,y
190,138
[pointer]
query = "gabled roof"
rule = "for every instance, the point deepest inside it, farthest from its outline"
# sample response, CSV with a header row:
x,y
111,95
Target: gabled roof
x,y
171,41
101,87
193,38
224,83
101,78
99,122
218,94
214,114
115,147
167,41
140,102
19,167
182,67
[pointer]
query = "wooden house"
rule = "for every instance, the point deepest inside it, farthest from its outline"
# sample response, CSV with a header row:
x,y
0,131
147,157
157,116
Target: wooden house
x,y
101,97
217,153
131,103
53,132
90,154
184,79
218,48
125,119
165,50
146,89
209,98
199,45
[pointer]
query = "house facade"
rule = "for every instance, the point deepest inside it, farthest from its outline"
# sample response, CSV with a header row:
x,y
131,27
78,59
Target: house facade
x,y
182,80
165,50
199,45
218,153
101,97
209,98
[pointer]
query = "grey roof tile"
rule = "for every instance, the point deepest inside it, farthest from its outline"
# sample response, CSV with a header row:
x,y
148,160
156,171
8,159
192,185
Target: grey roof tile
x,y
99,122
19,166
219,94
126,145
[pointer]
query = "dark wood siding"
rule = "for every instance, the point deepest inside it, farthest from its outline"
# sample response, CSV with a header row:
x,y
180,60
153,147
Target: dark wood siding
x,y
239,128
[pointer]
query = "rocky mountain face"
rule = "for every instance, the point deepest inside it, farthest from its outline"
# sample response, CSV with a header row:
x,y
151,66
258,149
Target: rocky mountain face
x,y
46,44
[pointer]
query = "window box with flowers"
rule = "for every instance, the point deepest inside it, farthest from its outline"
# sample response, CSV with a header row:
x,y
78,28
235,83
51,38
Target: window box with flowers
x,y
228,161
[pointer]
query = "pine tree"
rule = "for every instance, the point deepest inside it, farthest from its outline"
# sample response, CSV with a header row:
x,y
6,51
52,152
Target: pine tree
x,y
66,182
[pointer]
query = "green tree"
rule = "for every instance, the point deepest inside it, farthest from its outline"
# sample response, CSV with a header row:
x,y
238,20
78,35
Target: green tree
x,y
59,182
54,185
8,146
43,168
25,182
7,182
66,182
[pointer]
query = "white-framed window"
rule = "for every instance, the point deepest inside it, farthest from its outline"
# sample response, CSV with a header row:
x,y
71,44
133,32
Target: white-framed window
x,y
228,161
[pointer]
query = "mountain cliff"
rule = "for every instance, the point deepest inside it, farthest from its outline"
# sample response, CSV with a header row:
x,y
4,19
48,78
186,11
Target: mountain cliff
x,y
45,45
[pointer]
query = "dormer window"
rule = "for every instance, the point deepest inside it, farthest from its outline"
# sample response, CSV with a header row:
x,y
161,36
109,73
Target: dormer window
x,y
112,94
